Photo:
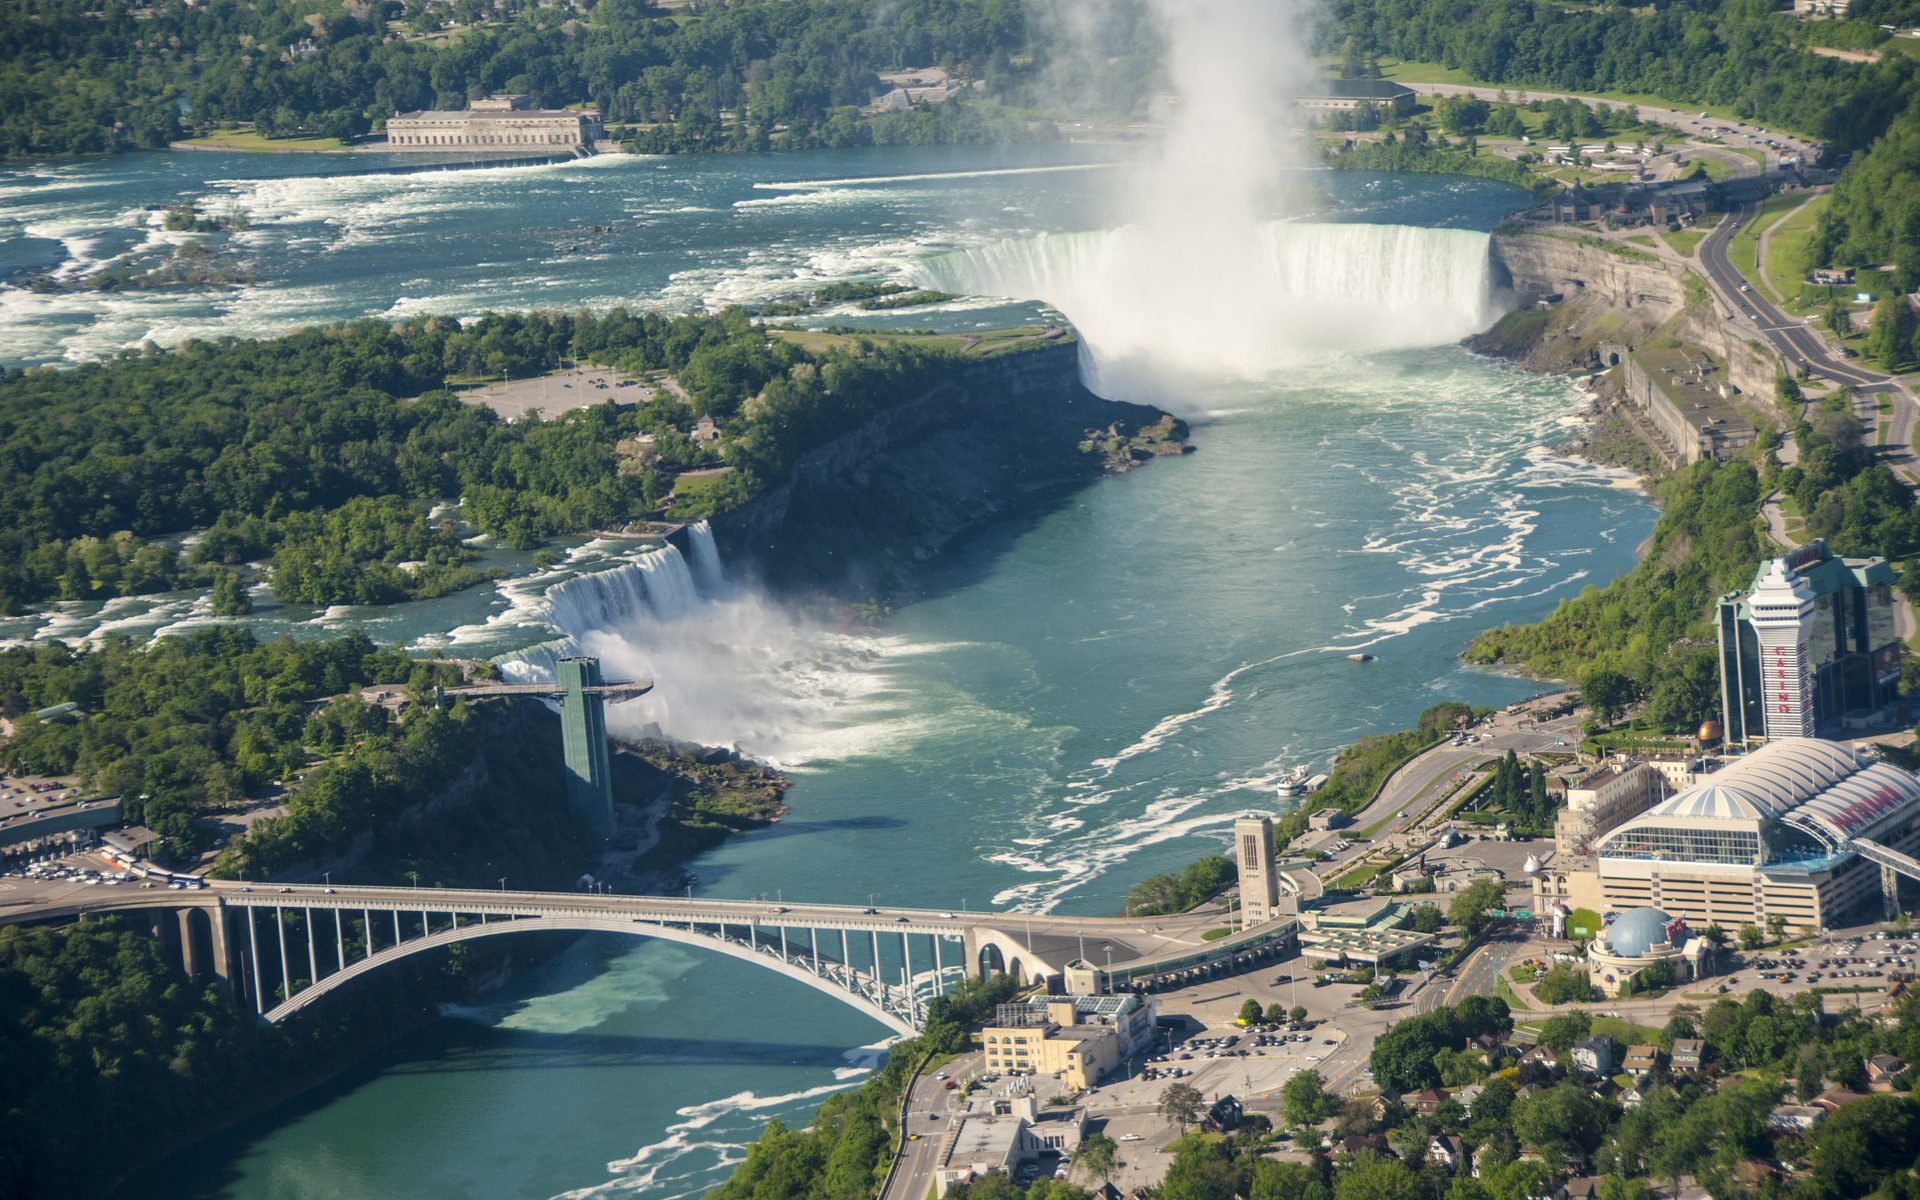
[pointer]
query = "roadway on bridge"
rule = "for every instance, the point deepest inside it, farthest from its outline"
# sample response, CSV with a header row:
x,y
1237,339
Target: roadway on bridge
x,y
1049,937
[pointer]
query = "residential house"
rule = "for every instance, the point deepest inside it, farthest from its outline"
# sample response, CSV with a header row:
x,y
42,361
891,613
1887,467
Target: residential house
x,y
1542,1056
1583,1187
704,431
1384,1102
1631,1098
1641,1061
1795,1118
1835,1099
1884,1073
1688,1054
1427,1101
1448,1152
1597,1055
1468,1094
1364,1143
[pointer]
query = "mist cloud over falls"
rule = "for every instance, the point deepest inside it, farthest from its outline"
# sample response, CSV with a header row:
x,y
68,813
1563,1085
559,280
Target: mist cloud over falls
x,y
1204,271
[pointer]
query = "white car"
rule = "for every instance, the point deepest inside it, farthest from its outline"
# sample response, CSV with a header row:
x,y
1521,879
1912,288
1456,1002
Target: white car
x,y
1130,1137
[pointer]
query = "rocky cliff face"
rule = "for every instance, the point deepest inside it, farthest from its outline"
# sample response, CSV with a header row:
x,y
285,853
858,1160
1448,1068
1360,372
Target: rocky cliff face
x,y
1542,265
1603,298
999,436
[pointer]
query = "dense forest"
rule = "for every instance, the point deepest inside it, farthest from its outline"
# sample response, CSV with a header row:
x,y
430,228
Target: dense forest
x,y
308,449
1736,53
80,78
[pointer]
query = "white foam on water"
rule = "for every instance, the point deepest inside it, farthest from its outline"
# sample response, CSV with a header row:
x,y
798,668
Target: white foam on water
x,y
692,1155
730,666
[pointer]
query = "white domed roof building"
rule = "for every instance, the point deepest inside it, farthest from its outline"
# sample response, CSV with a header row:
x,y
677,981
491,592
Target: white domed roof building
x,y
1795,830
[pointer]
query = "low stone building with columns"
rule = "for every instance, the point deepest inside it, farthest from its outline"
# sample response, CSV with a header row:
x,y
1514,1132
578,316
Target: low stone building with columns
x,y
494,123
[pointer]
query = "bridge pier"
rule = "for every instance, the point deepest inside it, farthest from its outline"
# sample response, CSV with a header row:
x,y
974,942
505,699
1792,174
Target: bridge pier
x,y
286,973
253,937
1889,891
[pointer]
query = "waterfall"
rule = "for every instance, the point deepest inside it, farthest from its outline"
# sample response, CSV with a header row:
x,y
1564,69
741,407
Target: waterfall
x,y
730,666
706,559
1278,293
658,584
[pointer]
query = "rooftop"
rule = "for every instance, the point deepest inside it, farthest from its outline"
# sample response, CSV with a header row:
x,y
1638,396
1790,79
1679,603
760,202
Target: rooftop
x,y
1820,787
1356,89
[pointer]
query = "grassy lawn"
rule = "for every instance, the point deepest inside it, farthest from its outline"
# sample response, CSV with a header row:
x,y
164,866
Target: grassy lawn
x,y
1744,250
1717,168
251,142
1419,72
1684,240
1625,1031
1789,256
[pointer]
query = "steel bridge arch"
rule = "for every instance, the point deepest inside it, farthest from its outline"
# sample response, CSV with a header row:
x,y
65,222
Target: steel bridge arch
x,y
582,923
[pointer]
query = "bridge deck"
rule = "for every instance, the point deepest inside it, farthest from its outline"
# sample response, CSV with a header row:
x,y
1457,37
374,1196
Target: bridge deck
x,y
610,691
1123,942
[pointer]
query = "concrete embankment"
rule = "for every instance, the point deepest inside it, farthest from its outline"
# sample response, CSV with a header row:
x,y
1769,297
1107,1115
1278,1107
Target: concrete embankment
x,y
998,438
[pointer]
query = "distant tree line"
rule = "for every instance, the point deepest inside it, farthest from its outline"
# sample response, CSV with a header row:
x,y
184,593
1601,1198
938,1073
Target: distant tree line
x,y
78,78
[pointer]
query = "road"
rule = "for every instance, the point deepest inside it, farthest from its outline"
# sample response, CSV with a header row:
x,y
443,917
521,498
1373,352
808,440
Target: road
x,y
1801,345
1411,782
931,1111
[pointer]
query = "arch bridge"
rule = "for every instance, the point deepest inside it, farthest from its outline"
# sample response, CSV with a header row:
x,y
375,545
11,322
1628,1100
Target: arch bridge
x,y
281,948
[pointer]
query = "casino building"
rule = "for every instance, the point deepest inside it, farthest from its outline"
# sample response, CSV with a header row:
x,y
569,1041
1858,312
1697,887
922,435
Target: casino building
x,y
1810,645
1802,828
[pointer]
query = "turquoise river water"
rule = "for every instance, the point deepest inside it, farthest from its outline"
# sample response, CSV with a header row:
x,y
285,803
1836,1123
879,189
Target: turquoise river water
x,y
1081,700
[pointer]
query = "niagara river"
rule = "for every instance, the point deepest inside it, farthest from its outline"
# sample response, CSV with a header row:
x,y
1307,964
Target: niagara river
x,y
1075,699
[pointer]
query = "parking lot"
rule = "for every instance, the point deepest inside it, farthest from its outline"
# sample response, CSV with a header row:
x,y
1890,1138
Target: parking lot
x,y
551,395
1849,958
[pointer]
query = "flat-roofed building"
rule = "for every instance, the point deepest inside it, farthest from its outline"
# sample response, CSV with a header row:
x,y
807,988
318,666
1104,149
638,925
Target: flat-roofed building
x,y
1609,794
1079,1039
495,123
1346,95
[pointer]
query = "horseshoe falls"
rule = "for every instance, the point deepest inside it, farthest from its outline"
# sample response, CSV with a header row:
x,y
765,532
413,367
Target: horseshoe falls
x,y
1068,702
1240,302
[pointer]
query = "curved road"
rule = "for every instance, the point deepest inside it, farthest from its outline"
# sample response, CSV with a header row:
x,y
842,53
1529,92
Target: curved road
x,y
1801,345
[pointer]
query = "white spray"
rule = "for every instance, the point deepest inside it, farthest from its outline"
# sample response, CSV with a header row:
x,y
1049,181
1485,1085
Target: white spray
x,y
1204,274
730,666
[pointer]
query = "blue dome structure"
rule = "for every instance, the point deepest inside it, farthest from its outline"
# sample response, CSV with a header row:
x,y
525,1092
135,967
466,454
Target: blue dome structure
x,y
1637,931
